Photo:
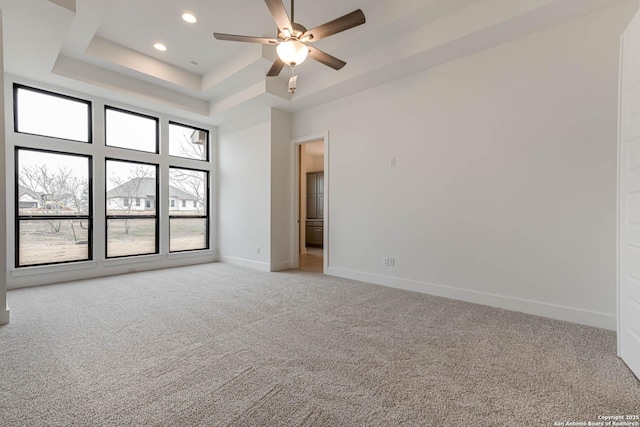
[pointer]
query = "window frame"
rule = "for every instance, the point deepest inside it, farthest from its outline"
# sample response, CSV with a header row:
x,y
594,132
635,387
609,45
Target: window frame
x,y
133,113
107,217
18,218
18,86
208,144
206,216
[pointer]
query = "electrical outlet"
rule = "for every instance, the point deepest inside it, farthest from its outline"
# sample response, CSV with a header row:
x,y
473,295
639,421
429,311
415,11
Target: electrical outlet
x,y
389,262
258,250
392,162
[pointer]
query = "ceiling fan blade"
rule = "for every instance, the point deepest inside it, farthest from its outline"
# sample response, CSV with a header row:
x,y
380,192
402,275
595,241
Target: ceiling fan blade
x,y
338,25
276,68
326,59
279,13
237,38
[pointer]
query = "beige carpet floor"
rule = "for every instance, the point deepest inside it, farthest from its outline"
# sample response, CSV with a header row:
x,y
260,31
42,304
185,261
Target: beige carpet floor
x,y
217,345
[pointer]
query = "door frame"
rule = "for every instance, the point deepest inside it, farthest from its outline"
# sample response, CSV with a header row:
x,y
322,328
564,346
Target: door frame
x,y
618,198
295,243
628,347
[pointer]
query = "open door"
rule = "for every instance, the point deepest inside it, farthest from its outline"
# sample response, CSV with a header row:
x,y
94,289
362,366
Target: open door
x,y
629,200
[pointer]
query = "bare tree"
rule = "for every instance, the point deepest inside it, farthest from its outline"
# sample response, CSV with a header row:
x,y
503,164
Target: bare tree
x,y
58,187
127,190
192,182
190,149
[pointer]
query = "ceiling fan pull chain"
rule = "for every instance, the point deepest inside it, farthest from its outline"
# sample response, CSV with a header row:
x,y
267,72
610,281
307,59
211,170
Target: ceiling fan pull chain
x,y
292,15
293,81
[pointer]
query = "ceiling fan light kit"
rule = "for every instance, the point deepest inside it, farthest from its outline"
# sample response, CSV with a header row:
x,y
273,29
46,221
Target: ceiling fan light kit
x,y
292,39
292,52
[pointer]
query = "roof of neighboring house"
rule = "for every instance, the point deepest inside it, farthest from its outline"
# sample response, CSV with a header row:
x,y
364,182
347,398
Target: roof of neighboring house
x,y
145,187
24,190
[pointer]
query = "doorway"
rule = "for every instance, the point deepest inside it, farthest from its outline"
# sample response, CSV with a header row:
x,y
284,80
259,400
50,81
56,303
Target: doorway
x,y
311,206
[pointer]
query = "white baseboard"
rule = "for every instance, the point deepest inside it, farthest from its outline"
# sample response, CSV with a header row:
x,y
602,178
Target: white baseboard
x,y
262,266
4,317
281,266
569,314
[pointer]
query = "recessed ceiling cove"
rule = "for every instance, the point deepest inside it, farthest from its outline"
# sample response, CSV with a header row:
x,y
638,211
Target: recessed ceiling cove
x,y
105,47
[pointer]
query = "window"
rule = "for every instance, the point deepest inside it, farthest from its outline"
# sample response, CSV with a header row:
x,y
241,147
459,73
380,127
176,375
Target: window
x,y
54,183
53,207
39,112
188,142
131,231
133,131
189,229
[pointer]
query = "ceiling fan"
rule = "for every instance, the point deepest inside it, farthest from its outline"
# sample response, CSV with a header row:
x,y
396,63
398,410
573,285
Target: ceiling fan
x,y
292,38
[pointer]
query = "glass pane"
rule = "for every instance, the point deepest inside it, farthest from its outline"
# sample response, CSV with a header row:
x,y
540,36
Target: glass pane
x,y
188,142
47,114
187,192
132,131
52,184
131,237
131,188
187,234
49,241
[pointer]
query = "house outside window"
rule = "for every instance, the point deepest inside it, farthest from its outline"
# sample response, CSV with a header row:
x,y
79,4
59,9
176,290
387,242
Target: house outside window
x,y
54,200
131,230
189,227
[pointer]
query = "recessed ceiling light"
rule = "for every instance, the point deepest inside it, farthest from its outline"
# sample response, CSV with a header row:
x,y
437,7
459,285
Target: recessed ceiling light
x,y
190,18
160,47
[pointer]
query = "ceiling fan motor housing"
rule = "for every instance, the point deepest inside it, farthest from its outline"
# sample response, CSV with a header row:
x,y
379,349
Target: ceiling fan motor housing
x,y
296,33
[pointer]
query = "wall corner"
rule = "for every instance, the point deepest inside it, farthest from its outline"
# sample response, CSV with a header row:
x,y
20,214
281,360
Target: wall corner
x,y
4,312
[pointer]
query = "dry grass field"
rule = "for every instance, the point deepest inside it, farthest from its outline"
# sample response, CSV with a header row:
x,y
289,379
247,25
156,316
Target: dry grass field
x,y
40,244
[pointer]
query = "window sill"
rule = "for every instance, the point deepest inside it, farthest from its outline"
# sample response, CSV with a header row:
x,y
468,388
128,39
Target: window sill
x,y
114,262
134,259
49,269
202,253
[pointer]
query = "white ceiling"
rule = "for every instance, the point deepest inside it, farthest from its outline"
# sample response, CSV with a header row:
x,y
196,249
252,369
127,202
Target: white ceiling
x,y
105,47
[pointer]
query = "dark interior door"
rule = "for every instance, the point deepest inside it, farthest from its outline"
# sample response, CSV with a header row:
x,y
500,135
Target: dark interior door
x,y
315,209
312,195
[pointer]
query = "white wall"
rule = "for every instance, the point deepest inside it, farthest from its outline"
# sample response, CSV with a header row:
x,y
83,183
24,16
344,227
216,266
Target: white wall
x,y
282,215
504,191
4,310
255,191
244,193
